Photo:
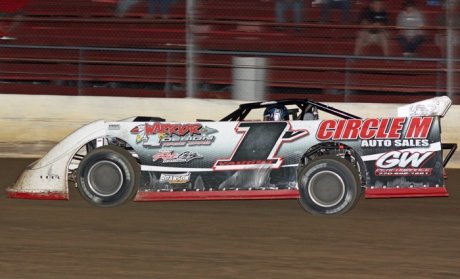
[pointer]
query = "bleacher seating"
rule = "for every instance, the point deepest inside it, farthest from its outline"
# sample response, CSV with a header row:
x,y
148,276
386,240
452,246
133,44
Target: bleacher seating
x,y
220,25
88,8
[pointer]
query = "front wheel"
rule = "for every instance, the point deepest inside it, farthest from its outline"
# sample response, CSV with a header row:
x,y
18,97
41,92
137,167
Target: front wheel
x,y
328,185
108,176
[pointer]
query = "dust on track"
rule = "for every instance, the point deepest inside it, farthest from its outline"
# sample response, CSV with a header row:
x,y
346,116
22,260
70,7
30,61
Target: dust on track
x,y
388,238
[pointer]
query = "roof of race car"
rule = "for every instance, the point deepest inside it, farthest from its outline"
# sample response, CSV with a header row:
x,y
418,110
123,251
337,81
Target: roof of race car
x,y
305,106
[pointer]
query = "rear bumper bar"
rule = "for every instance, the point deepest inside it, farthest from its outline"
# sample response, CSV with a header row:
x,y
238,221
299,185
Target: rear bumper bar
x,y
451,147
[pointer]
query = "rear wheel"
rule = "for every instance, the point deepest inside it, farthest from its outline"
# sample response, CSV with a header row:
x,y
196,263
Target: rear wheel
x,y
108,176
328,185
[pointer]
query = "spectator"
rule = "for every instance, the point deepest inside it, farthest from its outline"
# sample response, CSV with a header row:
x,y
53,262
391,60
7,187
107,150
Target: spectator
x,y
327,5
123,7
282,5
374,18
454,23
11,10
410,24
164,8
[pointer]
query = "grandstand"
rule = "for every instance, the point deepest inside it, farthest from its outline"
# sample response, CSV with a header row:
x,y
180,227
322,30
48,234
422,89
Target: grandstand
x,y
79,48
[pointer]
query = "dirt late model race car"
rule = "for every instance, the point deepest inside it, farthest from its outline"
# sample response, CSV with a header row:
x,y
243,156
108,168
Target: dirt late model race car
x,y
290,154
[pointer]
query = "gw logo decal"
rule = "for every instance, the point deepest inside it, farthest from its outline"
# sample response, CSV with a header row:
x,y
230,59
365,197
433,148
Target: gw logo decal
x,y
396,163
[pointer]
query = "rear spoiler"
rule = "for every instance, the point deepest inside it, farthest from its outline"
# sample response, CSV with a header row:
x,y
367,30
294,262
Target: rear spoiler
x,y
437,106
433,107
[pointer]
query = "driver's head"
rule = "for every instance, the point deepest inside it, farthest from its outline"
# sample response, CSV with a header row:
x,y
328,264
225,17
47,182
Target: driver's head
x,y
409,6
276,113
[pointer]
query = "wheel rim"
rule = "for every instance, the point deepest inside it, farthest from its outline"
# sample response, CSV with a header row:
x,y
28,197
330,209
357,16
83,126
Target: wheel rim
x,y
105,178
326,188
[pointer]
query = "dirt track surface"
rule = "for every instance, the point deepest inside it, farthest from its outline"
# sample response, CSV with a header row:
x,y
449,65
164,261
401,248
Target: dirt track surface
x,y
390,238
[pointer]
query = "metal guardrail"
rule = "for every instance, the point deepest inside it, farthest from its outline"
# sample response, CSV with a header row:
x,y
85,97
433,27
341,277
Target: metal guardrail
x,y
223,52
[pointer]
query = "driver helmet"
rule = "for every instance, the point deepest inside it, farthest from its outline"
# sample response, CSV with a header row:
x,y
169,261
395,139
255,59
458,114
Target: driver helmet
x,y
276,113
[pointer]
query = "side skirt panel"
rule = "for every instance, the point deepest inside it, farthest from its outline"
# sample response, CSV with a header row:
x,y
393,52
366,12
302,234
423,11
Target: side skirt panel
x,y
406,192
218,195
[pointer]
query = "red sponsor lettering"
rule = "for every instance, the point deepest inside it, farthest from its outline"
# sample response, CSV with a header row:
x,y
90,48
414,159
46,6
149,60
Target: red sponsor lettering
x,y
405,172
165,155
326,129
382,130
177,129
396,127
373,128
340,127
419,127
368,128
352,129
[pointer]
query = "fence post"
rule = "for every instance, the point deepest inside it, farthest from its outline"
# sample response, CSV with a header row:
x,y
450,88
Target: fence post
x,y
450,51
80,72
190,60
347,78
167,87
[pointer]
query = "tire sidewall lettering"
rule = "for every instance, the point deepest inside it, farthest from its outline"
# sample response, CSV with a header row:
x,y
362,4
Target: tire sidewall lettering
x,y
346,201
313,169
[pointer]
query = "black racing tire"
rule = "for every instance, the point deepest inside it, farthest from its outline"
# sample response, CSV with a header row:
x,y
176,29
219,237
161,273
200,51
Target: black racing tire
x,y
108,176
328,185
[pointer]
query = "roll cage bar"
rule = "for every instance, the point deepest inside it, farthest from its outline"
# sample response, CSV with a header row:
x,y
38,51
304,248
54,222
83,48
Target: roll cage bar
x,y
304,105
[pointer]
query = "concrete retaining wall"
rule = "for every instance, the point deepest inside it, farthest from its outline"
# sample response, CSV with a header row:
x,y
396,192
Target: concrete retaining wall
x,y
31,125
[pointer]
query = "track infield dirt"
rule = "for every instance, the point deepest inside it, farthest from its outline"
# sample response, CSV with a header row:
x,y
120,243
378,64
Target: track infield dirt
x,y
388,238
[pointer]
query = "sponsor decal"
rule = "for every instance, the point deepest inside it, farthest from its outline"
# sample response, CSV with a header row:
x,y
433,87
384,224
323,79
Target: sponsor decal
x,y
173,134
397,163
423,109
234,163
167,156
376,129
397,143
175,178
258,145
114,127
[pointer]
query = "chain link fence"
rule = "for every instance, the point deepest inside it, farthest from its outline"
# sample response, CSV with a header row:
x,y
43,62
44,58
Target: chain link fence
x,y
229,49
